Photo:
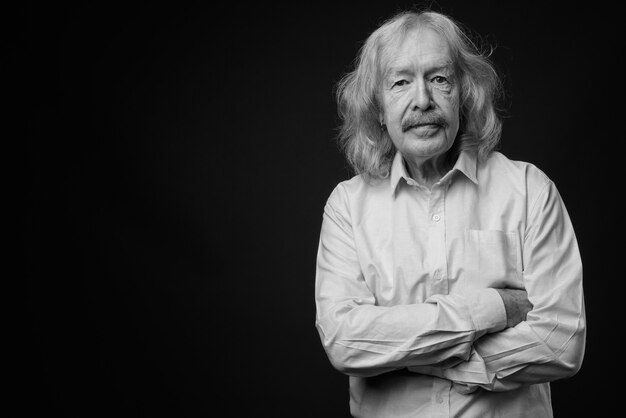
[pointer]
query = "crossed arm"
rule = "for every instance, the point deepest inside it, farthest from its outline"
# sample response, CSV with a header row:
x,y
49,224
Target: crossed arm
x,y
497,339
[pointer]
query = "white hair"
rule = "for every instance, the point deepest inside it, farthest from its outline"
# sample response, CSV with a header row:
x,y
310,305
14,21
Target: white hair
x,y
367,147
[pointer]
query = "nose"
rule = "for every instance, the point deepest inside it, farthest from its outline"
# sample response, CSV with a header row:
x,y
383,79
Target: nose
x,y
422,98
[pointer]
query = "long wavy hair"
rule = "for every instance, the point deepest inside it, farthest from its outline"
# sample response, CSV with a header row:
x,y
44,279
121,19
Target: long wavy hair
x,y
366,145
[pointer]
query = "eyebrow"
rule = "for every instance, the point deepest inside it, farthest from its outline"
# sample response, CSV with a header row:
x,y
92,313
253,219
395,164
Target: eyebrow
x,y
406,69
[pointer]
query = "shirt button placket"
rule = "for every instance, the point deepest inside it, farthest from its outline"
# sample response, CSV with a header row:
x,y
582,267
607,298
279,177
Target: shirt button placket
x,y
438,234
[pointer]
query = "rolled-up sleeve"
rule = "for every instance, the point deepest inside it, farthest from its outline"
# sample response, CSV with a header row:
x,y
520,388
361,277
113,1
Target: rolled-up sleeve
x,y
550,344
364,339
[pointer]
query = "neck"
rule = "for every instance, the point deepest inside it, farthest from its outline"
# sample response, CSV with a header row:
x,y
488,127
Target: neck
x,y
428,171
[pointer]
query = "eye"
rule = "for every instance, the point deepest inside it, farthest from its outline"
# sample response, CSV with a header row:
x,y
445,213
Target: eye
x,y
400,83
439,79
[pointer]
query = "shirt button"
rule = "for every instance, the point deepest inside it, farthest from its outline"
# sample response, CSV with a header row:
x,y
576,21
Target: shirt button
x,y
436,218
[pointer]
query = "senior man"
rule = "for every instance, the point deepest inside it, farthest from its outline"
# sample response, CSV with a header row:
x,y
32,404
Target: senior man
x,y
449,281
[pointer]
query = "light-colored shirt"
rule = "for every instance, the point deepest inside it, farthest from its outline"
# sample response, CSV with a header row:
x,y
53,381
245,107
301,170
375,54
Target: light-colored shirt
x,y
406,300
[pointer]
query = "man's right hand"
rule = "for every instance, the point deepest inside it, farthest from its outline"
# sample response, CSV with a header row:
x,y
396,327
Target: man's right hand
x,y
516,304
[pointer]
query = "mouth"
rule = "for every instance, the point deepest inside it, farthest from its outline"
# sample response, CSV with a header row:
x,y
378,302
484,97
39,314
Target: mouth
x,y
424,127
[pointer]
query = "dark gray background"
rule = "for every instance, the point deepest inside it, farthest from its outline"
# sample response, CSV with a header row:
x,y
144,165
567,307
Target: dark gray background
x,y
178,160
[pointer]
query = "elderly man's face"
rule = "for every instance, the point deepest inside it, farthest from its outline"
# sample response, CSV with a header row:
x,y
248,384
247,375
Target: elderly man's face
x,y
421,97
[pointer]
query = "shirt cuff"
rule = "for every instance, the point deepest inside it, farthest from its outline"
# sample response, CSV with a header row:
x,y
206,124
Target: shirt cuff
x,y
487,310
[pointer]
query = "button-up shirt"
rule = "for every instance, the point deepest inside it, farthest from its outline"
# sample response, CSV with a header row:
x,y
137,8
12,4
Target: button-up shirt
x,y
406,300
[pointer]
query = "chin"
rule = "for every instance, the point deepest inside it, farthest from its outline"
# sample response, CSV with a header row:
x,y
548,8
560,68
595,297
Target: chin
x,y
427,147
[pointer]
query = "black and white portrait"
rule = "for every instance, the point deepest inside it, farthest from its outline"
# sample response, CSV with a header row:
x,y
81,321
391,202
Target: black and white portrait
x,y
395,209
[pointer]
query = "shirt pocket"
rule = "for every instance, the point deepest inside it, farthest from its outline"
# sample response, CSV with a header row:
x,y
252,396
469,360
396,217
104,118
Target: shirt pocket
x,y
493,259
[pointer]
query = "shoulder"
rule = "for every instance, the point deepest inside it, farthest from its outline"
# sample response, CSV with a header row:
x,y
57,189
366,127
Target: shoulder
x,y
518,174
357,188
358,198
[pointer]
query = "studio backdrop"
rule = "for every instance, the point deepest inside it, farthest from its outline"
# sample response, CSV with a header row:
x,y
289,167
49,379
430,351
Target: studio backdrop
x,y
179,159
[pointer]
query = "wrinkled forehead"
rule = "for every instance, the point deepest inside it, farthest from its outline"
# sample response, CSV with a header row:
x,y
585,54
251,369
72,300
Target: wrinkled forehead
x,y
397,46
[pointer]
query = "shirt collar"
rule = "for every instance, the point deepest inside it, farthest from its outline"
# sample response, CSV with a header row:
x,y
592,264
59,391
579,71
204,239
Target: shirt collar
x,y
398,171
465,163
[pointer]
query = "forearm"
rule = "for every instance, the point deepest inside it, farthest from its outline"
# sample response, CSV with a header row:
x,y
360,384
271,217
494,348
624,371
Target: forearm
x,y
364,339
538,350
518,361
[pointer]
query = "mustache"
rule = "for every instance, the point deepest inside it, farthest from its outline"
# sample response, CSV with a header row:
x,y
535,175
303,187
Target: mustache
x,y
424,119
